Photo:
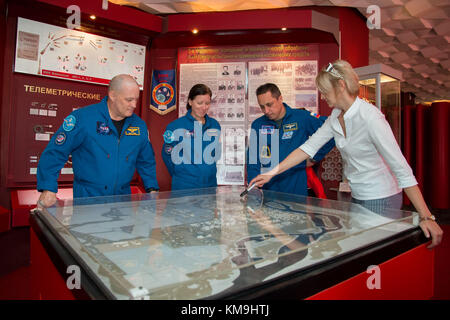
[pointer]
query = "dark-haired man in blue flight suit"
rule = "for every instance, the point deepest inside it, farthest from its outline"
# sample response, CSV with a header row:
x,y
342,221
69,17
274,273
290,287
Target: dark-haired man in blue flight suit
x,y
275,135
107,141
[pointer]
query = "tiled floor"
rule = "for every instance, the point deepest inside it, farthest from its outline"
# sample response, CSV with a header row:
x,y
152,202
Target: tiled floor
x,y
15,276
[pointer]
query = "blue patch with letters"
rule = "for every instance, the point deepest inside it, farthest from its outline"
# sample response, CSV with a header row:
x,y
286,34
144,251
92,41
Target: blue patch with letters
x,y
102,128
69,123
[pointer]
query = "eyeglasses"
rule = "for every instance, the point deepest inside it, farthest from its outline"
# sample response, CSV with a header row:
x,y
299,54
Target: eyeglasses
x,y
333,71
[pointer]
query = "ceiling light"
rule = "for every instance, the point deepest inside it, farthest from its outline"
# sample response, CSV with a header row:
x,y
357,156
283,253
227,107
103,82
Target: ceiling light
x,y
283,29
195,31
93,17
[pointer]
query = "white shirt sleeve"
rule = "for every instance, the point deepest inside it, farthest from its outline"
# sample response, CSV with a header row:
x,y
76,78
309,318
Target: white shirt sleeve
x,y
318,139
382,137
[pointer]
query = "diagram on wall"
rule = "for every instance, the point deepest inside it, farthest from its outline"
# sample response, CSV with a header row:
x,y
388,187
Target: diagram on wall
x,y
47,50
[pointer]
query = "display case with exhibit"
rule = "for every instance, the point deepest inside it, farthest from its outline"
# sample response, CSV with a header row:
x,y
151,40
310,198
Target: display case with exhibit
x,y
213,244
380,85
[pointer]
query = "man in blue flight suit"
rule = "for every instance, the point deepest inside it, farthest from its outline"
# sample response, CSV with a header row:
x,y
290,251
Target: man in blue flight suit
x,y
275,135
107,141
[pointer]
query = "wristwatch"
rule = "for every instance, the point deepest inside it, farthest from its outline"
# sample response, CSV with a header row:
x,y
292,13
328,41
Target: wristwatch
x,y
433,218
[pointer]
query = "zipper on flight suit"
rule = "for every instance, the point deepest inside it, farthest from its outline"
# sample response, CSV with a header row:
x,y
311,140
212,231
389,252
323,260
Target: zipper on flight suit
x,y
117,158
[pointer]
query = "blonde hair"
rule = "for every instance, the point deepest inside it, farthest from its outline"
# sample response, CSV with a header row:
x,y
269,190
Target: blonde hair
x,y
339,70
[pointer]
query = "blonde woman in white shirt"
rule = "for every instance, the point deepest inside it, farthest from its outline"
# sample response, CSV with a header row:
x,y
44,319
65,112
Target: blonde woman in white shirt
x,y
373,162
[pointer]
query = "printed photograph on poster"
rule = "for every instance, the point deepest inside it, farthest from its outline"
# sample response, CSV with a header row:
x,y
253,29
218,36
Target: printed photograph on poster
x,y
254,112
47,50
305,84
227,82
305,90
306,69
307,101
277,72
192,74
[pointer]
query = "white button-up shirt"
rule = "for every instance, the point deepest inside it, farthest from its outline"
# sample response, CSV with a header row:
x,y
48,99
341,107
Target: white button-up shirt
x,y
370,153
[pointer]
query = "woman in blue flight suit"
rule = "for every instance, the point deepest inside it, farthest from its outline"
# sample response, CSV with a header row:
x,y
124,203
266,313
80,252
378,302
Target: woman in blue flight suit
x,y
191,143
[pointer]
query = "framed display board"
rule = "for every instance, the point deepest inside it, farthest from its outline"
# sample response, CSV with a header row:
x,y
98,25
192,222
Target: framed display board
x,y
40,107
51,51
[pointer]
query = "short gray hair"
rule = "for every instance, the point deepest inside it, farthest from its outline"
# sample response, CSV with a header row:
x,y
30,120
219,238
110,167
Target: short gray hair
x,y
118,82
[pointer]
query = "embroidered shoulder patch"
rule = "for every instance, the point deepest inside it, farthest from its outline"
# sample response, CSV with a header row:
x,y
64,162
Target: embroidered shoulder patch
x,y
168,136
69,123
60,138
168,149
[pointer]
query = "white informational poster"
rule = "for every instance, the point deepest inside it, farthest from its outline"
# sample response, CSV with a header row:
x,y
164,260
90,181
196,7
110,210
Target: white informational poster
x,y
294,78
231,167
227,82
47,50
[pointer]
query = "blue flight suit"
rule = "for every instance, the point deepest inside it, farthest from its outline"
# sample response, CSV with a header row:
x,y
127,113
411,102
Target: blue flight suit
x,y
103,160
190,152
296,127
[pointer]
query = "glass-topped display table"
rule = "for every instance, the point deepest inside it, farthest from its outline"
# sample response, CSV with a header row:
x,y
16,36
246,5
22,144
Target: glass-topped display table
x,y
213,244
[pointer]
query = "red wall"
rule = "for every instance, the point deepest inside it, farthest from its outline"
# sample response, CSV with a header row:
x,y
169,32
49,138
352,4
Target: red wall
x,y
354,37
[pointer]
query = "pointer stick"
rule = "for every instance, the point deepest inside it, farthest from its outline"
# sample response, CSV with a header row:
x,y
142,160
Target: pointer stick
x,y
247,190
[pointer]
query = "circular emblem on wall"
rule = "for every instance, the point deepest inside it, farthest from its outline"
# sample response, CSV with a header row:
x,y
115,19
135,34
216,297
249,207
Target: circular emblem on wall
x,y
163,93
